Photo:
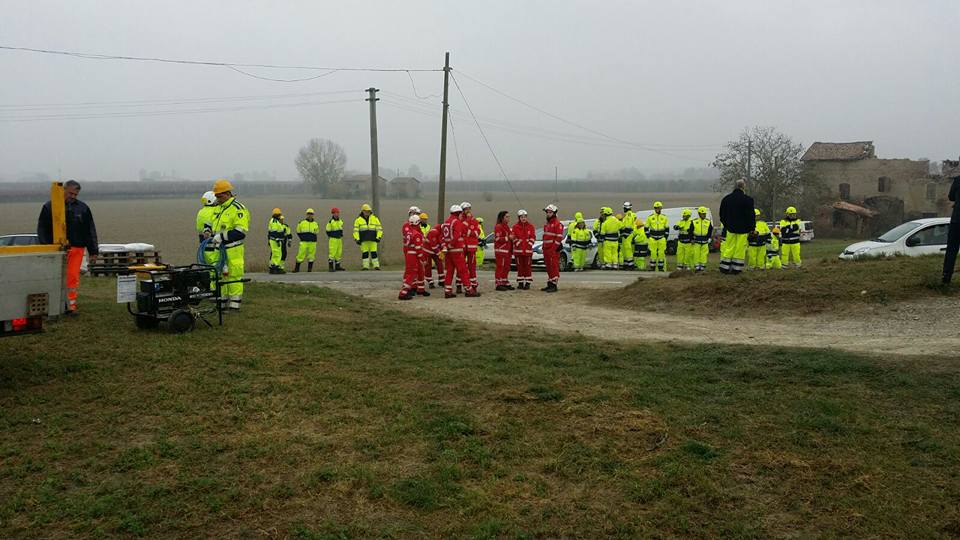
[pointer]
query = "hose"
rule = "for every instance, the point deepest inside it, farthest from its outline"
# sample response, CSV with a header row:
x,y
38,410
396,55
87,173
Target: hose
x,y
221,258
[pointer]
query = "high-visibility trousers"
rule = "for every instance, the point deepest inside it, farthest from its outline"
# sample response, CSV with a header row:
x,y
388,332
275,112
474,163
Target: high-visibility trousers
x,y
232,271
74,261
757,257
551,259
335,249
658,254
479,257
601,253
611,253
429,261
733,252
683,255
524,268
470,259
698,254
626,251
773,262
790,253
456,268
276,253
580,257
369,255
307,251
501,272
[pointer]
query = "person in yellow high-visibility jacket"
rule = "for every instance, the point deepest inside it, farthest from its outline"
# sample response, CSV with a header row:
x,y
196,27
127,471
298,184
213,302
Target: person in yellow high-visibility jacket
x,y
773,250
276,238
701,232
657,231
684,241
334,230
790,228
641,245
307,232
231,223
625,256
367,233
757,244
579,240
610,232
481,243
205,217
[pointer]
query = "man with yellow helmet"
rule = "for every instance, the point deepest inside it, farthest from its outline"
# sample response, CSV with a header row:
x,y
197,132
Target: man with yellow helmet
x,y
790,227
231,222
307,232
367,233
657,226
701,234
276,238
757,244
773,250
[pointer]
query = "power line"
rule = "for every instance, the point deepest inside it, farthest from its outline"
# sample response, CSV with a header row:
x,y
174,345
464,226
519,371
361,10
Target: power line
x,y
414,86
143,114
484,135
456,150
93,56
242,72
648,147
172,101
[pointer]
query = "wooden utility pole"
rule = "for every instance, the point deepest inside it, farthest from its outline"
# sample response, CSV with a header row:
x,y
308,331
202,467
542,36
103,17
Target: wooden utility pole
x,y
441,211
374,158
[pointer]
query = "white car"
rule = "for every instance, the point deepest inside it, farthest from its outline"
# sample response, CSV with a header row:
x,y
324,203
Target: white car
x,y
915,238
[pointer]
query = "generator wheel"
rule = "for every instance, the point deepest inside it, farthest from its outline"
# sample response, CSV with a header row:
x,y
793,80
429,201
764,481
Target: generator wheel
x,y
146,322
181,321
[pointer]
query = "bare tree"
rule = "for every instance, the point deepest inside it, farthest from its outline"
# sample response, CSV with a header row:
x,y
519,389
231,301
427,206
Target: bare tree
x,y
321,163
777,177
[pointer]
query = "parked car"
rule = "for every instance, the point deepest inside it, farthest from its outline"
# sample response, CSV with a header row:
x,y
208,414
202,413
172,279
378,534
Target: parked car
x,y
25,239
915,238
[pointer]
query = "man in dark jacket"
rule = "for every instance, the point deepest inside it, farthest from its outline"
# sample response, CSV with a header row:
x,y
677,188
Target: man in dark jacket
x,y
81,236
738,219
953,235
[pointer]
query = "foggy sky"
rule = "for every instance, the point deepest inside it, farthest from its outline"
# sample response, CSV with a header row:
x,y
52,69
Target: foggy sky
x,y
682,73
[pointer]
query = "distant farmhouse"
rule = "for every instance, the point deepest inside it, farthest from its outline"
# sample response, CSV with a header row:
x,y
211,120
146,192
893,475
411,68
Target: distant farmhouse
x,y
404,187
870,193
357,186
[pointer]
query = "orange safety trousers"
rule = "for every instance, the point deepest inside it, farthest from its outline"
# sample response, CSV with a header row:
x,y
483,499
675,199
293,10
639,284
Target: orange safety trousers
x,y
74,259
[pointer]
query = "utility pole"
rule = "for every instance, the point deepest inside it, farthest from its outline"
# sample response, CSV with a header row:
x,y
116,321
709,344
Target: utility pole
x,y
749,158
443,142
374,158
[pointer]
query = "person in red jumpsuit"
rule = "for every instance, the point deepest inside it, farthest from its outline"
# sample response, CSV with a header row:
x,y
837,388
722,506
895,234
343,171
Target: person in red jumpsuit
x,y
453,232
432,248
408,227
503,251
412,251
524,235
553,233
472,238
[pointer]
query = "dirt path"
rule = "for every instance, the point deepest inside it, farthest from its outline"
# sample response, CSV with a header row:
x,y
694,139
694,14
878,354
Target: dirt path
x,y
927,329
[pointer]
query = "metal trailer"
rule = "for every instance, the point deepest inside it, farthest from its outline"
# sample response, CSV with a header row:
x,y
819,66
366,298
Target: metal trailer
x,y
32,278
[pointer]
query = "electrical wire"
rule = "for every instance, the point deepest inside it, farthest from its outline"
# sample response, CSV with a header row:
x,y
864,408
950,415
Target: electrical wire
x,y
91,56
173,101
484,135
456,150
647,147
414,86
242,72
142,114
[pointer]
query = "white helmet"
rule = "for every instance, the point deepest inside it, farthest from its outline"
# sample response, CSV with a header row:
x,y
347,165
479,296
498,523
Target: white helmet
x,y
627,205
208,198
455,208
465,205
521,212
551,207
414,218
414,210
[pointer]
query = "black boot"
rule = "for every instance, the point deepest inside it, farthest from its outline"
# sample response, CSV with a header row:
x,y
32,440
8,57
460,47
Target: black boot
x,y
337,266
296,268
310,266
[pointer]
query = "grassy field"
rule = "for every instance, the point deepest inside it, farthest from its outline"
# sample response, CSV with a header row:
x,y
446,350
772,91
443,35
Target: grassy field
x,y
825,283
169,223
299,418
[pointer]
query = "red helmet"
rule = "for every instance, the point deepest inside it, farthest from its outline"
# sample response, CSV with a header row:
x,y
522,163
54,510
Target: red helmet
x,y
334,210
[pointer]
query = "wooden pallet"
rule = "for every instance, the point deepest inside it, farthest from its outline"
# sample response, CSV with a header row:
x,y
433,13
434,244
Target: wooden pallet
x,y
116,262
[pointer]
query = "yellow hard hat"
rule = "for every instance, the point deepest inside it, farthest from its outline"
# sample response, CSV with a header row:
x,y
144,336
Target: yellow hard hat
x,y
221,186
776,230
424,216
756,212
366,208
276,211
686,212
479,220
310,210
619,216
791,210
658,204
702,210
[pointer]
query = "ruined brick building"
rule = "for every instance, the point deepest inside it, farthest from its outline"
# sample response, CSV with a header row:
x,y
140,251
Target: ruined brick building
x,y
894,190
